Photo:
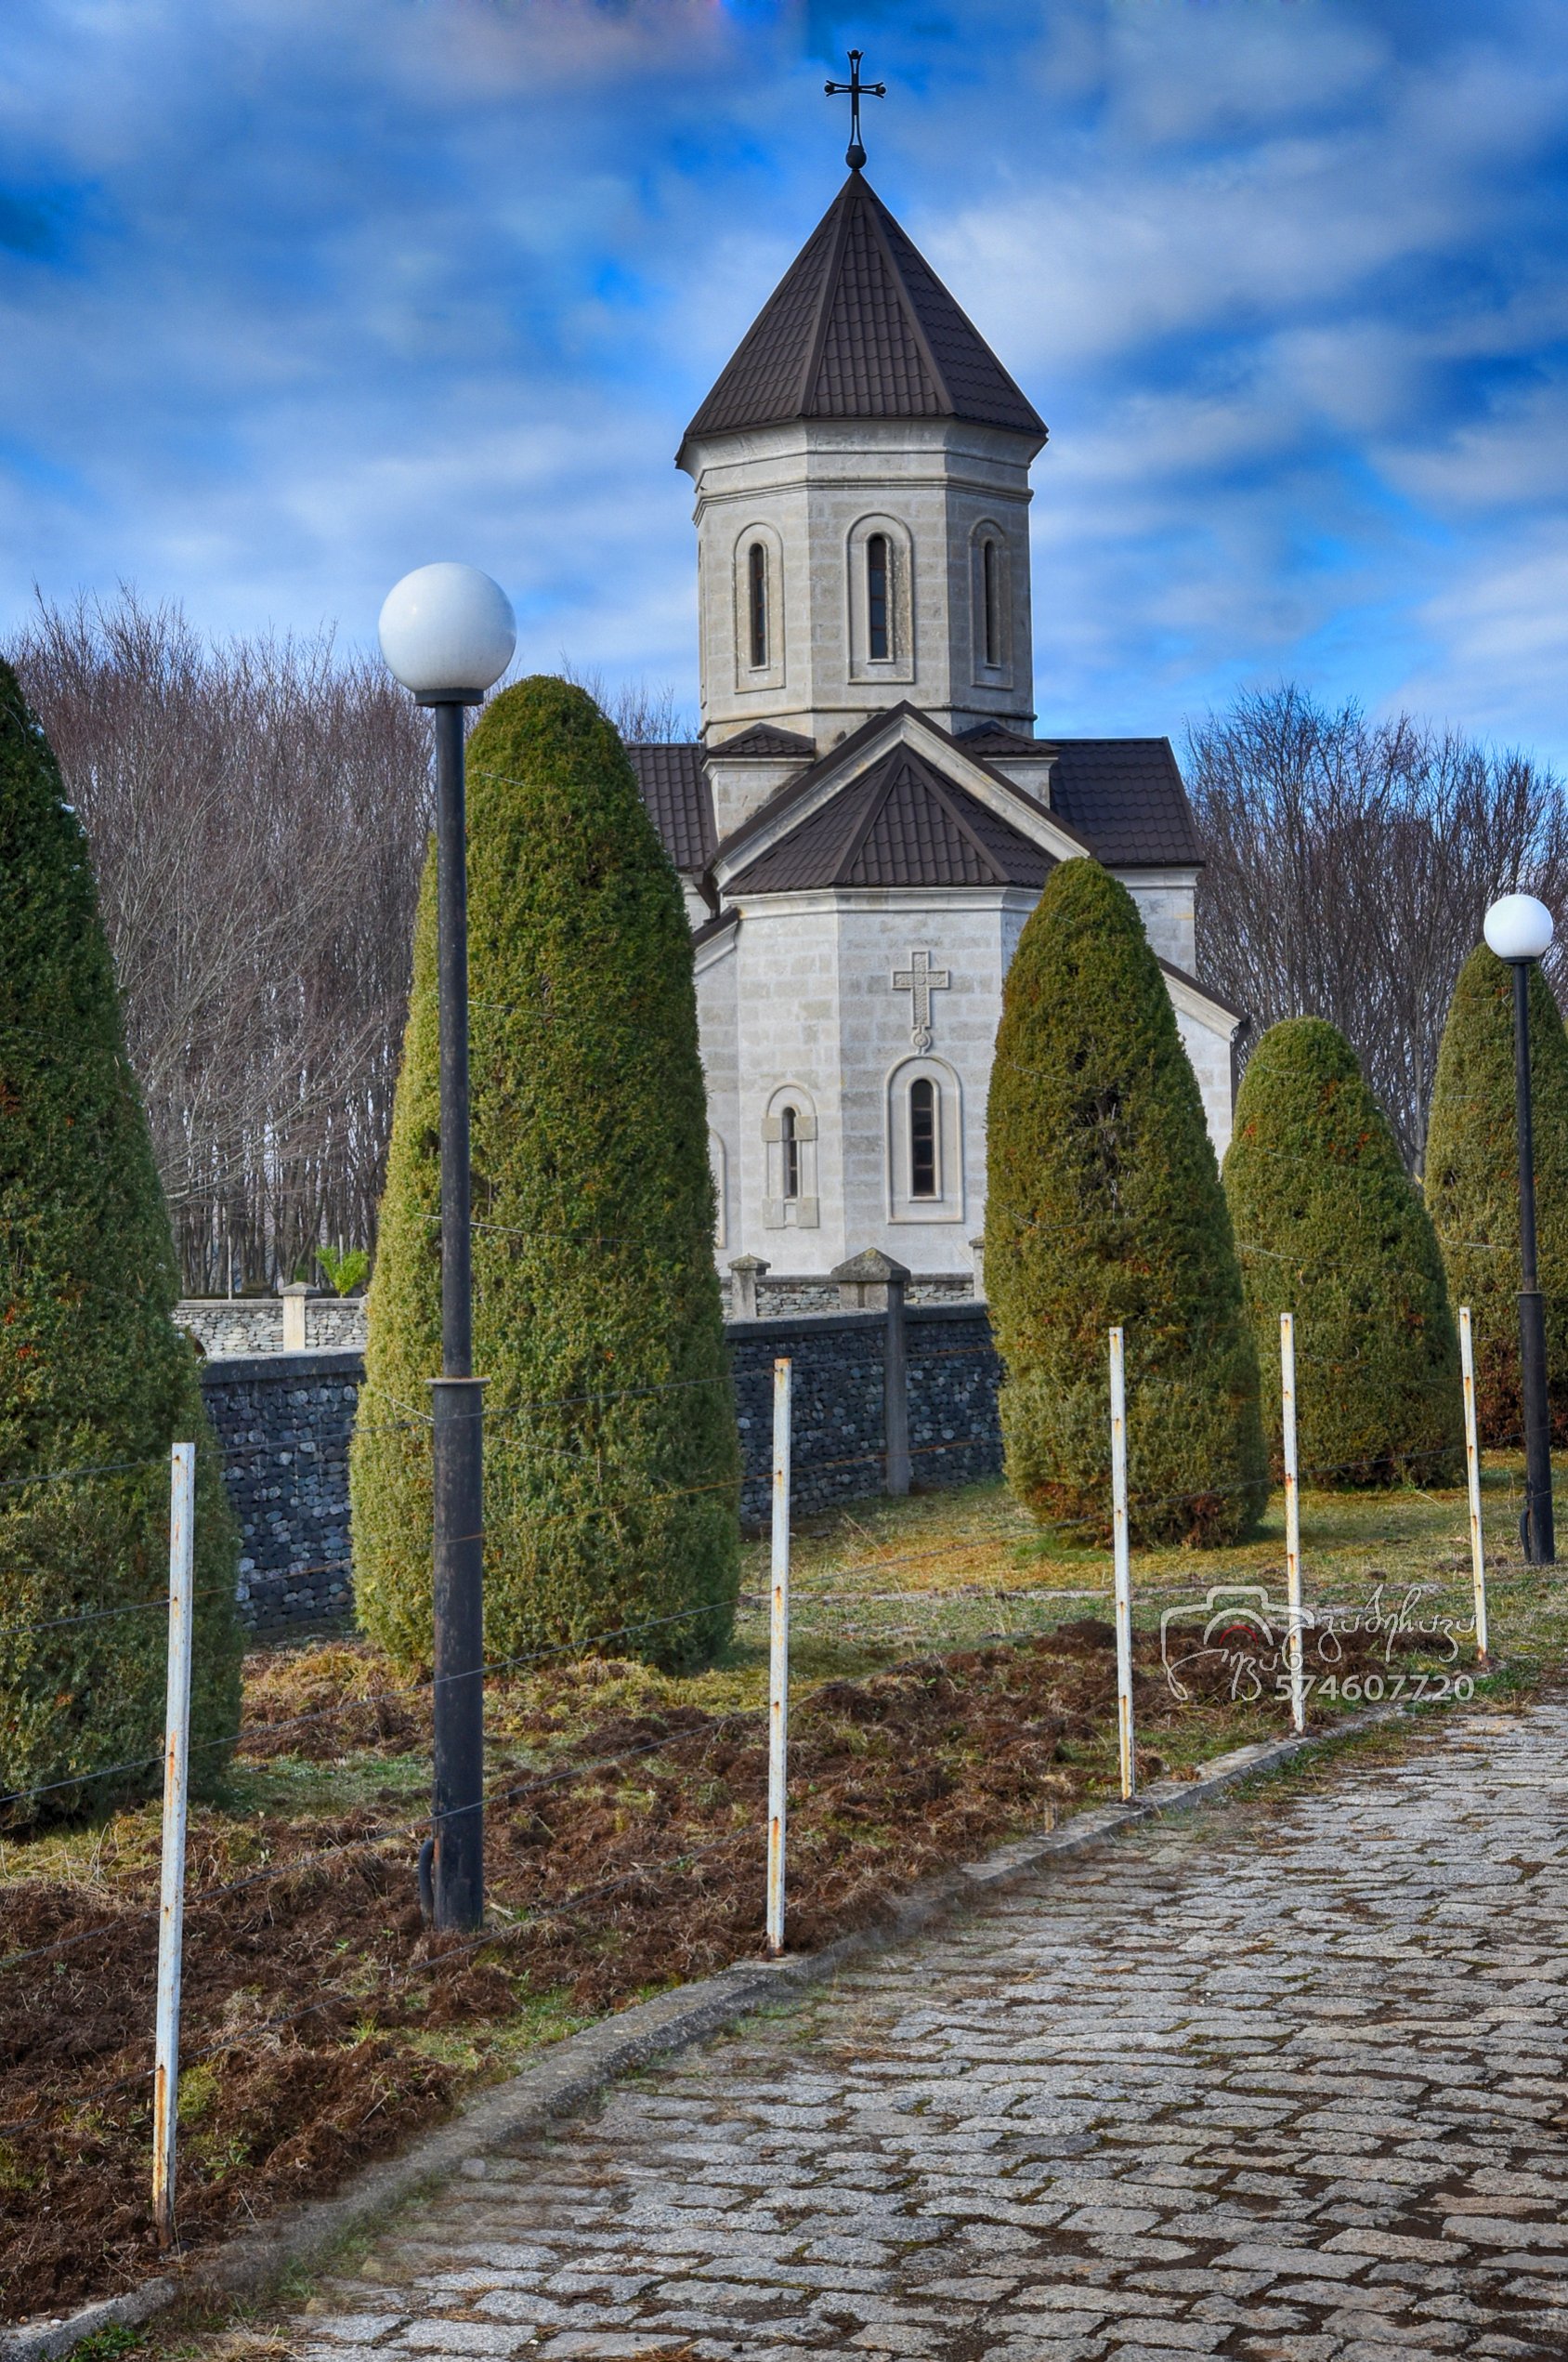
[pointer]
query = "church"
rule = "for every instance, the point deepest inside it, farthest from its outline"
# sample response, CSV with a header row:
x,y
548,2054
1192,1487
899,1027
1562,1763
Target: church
x,y
870,814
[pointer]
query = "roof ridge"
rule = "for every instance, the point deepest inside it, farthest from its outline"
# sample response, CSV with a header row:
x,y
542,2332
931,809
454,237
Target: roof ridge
x,y
938,787
907,304
825,293
876,793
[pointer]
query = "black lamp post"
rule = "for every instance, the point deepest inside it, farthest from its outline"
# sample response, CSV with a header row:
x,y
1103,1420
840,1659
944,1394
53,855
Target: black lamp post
x,y
1519,929
447,633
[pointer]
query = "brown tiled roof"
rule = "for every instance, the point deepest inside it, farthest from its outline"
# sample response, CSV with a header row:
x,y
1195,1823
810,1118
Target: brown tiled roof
x,y
711,929
900,823
763,738
1125,796
861,327
995,738
674,787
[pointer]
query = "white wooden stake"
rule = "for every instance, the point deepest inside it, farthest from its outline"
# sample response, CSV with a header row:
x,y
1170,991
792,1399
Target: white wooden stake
x,y
779,1660
1123,1566
1292,1518
171,1914
1472,1470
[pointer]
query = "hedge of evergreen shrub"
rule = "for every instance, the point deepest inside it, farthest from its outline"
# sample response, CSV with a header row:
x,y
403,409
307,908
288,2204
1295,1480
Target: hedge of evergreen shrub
x,y
613,1460
94,1376
1330,1227
1105,1206
1473,1182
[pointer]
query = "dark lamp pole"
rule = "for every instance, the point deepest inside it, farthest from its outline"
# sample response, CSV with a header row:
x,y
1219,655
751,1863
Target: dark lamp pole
x,y
1519,929
447,633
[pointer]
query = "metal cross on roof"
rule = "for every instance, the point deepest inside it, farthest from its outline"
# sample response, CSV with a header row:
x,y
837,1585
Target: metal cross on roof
x,y
854,90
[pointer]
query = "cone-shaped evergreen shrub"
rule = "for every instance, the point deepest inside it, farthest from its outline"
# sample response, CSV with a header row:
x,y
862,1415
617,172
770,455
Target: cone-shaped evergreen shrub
x,y
1330,1227
1105,1206
1473,1182
611,1460
94,1376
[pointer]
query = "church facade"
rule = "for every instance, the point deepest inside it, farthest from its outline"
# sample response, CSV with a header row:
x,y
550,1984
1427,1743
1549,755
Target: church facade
x,y
870,815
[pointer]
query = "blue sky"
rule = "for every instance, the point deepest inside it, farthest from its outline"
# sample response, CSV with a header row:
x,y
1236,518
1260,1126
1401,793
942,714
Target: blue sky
x,y
294,297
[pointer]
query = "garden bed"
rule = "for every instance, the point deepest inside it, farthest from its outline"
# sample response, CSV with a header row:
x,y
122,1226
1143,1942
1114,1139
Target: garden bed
x,y
323,2024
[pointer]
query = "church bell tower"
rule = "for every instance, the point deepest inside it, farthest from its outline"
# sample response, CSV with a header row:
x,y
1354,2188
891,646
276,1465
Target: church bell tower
x,y
862,475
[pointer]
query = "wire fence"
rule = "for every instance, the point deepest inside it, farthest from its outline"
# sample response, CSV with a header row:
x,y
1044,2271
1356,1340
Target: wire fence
x,y
833,1610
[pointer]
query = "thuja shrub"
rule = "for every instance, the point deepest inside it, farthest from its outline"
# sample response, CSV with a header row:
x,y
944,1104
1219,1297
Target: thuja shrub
x,y
611,1456
1105,1207
1473,1182
96,1383
1331,1228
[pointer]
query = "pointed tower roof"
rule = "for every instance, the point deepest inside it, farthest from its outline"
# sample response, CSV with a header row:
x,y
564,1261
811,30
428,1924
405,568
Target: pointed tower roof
x,y
861,327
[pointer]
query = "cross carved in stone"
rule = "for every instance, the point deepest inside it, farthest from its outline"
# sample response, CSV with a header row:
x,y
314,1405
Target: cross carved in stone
x,y
919,979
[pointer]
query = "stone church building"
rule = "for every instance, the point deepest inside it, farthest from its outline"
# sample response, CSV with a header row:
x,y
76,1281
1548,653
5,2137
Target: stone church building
x,y
870,815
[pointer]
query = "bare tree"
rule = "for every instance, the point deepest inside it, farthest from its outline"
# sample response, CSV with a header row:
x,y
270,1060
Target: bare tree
x,y
1348,865
257,814
643,712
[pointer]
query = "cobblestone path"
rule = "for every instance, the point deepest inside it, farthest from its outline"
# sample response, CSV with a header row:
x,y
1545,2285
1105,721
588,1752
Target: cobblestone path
x,y
1286,2083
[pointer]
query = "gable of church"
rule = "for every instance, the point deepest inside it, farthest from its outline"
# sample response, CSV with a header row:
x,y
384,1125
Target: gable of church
x,y
899,824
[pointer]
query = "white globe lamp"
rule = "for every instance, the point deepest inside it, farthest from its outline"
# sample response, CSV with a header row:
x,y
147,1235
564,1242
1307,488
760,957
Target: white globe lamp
x,y
447,633
1519,928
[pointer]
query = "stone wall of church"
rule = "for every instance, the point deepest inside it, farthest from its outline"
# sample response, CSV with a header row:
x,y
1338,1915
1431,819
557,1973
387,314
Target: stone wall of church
x,y
1167,908
807,495
283,1423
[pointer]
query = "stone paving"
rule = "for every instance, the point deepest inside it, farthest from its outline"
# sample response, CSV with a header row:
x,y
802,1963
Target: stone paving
x,y
1284,2083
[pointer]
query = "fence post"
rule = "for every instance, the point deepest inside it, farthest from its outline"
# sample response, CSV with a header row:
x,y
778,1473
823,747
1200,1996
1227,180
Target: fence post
x,y
779,1660
1122,1563
896,1387
1473,1472
296,1296
873,1282
1292,1518
171,1908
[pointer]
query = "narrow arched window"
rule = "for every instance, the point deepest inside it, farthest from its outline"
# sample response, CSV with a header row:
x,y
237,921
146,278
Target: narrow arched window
x,y
788,1138
922,1138
878,638
756,602
990,599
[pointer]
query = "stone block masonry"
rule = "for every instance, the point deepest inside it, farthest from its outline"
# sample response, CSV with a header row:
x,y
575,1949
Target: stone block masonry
x,y
229,1326
284,1421
954,1436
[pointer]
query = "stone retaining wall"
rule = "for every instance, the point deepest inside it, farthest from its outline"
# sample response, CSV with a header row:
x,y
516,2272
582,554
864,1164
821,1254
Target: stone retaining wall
x,y
836,1451
226,1327
284,1419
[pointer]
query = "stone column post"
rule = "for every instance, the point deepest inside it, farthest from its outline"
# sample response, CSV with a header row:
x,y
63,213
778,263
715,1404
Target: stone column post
x,y
746,1270
294,1298
977,1248
873,1282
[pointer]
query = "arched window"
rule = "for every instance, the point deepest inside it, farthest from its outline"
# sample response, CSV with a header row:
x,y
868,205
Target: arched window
x,y
756,602
925,1150
990,599
879,641
923,1135
790,1201
789,1142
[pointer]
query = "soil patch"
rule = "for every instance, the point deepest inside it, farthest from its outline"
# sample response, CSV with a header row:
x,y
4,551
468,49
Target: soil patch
x,y
323,2024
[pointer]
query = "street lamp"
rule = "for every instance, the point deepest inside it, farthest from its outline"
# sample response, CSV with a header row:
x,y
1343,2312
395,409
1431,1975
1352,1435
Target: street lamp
x,y
1519,929
447,633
